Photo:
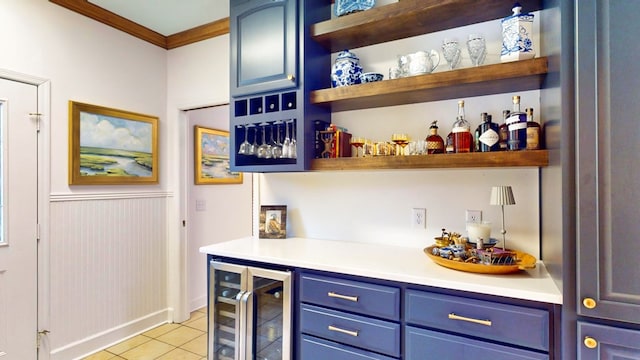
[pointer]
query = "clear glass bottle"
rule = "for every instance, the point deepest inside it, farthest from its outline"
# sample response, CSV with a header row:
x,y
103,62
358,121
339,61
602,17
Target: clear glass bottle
x,y
533,131
462,138
486,135
435,143
503,131
517,125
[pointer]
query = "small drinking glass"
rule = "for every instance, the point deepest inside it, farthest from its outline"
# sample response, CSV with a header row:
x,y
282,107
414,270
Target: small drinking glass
x,y
477,49
357,142
402,140
451,51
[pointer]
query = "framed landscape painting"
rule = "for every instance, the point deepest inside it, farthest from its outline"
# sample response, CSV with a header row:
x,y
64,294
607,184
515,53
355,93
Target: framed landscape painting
x,y
211,160
109,146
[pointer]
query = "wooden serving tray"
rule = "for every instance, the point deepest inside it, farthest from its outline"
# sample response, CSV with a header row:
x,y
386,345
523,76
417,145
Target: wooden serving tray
x,y
525,261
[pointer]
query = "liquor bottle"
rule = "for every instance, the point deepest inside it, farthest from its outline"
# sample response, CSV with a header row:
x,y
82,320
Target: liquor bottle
x,y
503,131
533,131
435,144
449,148
517,125
462,138
487,138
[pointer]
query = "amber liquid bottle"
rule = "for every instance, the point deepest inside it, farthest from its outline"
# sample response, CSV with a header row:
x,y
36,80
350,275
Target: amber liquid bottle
x,y
435,144
533,131
462,138
503,131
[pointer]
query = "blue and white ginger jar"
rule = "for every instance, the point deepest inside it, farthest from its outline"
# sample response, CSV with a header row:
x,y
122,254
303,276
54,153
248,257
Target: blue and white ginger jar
x,y
516,36
346,69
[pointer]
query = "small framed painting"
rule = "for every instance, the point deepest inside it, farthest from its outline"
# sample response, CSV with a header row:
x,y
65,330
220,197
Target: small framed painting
x,y
212,158
273,222
109,146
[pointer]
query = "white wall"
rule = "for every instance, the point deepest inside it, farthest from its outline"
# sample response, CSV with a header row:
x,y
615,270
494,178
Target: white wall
x,y
107,276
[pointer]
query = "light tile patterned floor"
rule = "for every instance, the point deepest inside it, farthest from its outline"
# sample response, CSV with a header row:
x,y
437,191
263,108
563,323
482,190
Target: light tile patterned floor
x,y
184,341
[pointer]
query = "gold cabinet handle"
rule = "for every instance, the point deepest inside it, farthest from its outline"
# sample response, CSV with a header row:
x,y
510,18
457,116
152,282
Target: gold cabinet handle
x,y
344,331
343,297
589,303
590,342
453,316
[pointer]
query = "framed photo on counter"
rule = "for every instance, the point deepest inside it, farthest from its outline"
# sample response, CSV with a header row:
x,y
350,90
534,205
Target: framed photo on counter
x,y
273,222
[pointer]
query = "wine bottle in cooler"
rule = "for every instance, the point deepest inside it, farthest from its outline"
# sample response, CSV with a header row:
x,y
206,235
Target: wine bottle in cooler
x,y
487,138
517,125
462,138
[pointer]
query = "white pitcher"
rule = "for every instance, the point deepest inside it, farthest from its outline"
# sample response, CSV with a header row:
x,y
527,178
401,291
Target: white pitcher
x,y
422,62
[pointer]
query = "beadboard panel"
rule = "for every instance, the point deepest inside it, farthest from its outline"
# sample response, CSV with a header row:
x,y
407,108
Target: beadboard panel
x,y
108,265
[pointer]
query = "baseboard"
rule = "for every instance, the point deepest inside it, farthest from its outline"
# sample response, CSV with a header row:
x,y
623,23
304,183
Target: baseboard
x,y
110,337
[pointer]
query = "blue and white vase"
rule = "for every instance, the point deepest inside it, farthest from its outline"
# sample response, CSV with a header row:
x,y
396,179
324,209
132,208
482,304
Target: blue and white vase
x,y
346,70
516,36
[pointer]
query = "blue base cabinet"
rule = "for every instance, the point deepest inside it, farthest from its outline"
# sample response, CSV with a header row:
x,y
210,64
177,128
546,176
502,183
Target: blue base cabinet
x,y
607,342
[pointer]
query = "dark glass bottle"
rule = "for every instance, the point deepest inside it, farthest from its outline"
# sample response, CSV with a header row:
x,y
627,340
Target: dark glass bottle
x,y
435,144
503,131
462,138
533,131
517,125
487,137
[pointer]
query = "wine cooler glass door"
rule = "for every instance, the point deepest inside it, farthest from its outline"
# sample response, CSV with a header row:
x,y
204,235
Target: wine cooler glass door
x,y
227,292
269,315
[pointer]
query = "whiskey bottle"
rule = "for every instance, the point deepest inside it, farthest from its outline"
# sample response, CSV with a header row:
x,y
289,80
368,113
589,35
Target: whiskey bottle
x,y
487,138
517,125
462,138
533,131
435,144
503,131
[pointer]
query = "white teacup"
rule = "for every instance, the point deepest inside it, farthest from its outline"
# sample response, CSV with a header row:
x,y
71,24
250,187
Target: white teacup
x,y
422,62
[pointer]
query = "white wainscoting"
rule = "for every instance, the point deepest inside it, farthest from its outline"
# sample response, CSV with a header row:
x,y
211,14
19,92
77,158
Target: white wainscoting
x,y
108,272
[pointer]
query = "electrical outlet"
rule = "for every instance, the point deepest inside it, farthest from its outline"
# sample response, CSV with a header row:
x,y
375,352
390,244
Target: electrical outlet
x,y
474,216
419,218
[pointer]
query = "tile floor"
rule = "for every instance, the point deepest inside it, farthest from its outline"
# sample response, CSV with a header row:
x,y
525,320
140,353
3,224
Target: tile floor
x,y
183,341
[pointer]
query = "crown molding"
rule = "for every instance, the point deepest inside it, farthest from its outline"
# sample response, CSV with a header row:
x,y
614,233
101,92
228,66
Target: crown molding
x,y
109,18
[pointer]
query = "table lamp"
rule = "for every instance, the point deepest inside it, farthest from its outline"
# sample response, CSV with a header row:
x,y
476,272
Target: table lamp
x,y
502,195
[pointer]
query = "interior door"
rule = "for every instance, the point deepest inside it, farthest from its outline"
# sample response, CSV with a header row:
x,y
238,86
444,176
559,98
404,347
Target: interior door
x,y
18,220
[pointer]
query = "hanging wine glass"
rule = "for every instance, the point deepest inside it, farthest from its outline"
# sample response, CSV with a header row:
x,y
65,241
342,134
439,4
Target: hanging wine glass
x,y
286,145
263,150
292,148
276,146
253,149
245,145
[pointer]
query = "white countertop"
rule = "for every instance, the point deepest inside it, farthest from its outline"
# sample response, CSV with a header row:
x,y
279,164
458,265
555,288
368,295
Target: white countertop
x,y
403,264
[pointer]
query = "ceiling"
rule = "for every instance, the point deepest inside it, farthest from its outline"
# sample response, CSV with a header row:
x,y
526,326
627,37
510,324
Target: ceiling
x,y
166,23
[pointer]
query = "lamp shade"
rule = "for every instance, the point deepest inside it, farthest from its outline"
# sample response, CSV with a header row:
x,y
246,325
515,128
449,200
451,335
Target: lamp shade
x,y
502,195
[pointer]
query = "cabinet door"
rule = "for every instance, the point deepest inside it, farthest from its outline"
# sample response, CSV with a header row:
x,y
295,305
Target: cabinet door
x,y
608,161
263,45
606,342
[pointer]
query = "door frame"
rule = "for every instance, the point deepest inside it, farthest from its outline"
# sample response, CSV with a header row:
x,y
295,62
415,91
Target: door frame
x,y
44,165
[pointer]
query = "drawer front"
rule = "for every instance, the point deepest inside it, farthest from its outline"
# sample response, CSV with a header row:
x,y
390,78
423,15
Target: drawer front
x,y
318,349
355,296
516,325
366,333
423,344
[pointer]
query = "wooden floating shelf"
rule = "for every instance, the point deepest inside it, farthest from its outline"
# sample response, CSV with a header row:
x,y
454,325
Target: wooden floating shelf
x,y
506,77
407,18
498,159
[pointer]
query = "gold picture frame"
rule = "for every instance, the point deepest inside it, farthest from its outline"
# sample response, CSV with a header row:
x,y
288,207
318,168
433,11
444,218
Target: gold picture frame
x,y
111,147
273,222
211,157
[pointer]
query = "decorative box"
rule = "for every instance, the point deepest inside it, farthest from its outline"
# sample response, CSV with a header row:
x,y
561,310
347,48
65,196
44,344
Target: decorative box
x,y
516,36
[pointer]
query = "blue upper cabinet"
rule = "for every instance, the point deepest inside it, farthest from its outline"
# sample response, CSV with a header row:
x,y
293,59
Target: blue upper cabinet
x,y
263,46
272,122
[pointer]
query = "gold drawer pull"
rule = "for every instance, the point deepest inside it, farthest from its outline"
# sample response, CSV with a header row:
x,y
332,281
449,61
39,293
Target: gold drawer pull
x,y
348,332
453,316
343,297
590,342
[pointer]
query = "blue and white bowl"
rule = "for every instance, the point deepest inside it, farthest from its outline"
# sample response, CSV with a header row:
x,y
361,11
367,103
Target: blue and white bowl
x,y
370,77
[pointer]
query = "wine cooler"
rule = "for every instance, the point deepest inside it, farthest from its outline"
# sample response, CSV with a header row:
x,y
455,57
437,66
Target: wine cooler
x,y
249,313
